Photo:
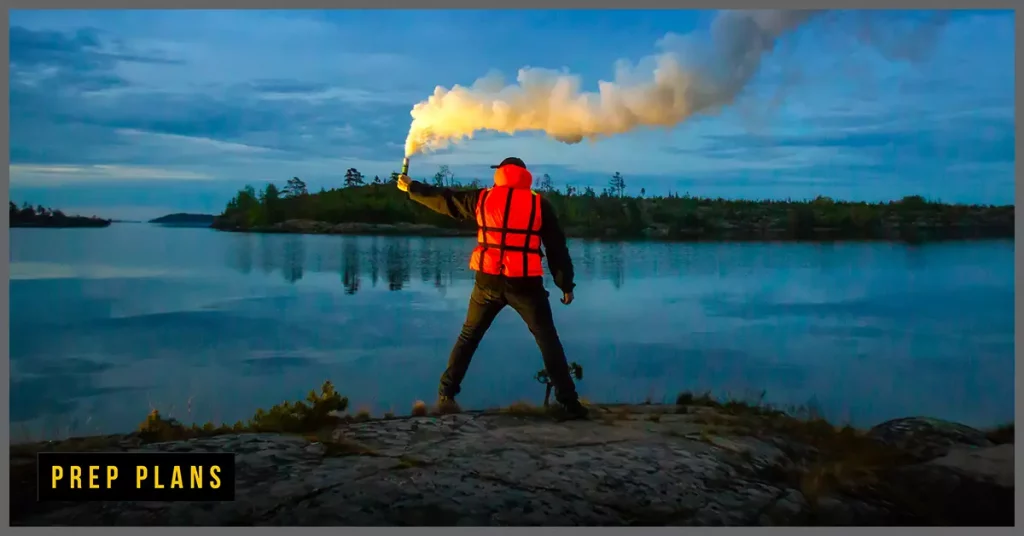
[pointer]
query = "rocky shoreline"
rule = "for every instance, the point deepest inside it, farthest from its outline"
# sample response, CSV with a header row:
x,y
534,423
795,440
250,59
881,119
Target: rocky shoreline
x,y
687,464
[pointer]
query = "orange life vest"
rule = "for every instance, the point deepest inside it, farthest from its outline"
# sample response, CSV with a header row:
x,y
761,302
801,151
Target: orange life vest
x,y
508,225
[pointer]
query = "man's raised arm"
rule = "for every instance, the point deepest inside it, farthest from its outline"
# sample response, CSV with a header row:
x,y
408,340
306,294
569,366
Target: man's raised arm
x,y
458,204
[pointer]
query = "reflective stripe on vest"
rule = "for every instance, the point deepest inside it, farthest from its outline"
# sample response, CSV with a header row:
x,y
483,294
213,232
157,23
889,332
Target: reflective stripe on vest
x,y
508,240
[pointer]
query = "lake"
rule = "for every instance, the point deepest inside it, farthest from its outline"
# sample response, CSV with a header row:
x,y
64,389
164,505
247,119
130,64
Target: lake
x,y
203,325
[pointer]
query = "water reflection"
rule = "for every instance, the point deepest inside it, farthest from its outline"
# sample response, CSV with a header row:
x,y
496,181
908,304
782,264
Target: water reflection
x,y
437,262
879,330
586,267
374,262
396,261
350,270
361,262
613,265
294,258
243,254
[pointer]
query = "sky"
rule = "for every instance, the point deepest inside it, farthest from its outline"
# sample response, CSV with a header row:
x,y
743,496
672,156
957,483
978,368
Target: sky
x,y
135,114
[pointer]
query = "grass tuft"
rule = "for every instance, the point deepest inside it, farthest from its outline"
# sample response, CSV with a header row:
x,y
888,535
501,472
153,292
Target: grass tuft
x,y
419,409
840,458
317,411
362,415
525,409
684,398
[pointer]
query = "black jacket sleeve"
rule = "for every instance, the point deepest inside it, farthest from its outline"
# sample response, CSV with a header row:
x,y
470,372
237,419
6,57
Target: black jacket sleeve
x,y
555,248
460,205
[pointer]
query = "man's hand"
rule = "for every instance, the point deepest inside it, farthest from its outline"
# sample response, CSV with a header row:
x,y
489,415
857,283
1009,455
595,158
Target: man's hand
x,y
567,298
403,183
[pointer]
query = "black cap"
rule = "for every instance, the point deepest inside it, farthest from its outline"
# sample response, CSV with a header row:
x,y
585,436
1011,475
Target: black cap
x,y
510,161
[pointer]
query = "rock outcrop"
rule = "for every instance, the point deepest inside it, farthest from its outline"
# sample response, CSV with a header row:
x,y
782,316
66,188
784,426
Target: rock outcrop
x,y
639,465
926,438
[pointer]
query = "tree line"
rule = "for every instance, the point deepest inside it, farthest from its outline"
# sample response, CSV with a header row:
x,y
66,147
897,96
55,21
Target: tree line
x,y
611,213
40,216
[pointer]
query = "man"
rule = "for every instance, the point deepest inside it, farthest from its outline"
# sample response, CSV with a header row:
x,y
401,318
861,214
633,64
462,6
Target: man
x,y
512,223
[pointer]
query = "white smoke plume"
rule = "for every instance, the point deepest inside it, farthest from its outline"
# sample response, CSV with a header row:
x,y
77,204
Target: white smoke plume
x,y
684,80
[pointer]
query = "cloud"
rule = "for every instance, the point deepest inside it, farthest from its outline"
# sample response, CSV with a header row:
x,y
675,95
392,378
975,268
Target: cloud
x,y
964,138
87,49
69,64
64,174
176,99
195,141
76,83
279,86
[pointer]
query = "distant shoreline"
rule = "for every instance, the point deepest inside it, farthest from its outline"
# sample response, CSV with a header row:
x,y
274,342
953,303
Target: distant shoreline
x,y
614,216
183,218
88,223
40,217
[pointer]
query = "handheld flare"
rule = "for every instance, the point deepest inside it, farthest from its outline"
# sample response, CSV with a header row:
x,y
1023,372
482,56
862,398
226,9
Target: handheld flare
x,y
405,166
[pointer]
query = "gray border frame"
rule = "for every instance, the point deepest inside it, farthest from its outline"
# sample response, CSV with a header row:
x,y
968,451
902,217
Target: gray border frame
x,y
463,4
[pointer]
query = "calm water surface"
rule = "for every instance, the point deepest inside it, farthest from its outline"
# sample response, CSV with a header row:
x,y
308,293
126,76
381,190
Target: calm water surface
x,y
108,323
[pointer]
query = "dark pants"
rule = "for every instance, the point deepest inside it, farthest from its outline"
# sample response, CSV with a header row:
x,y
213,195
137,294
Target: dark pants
x,y
531,302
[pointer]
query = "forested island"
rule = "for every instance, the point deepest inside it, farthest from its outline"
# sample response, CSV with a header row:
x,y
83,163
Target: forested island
x,y
185,219
376,206
40,216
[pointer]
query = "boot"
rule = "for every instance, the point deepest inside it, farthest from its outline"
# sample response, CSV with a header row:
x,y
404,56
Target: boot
x,y
573,410
447,405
